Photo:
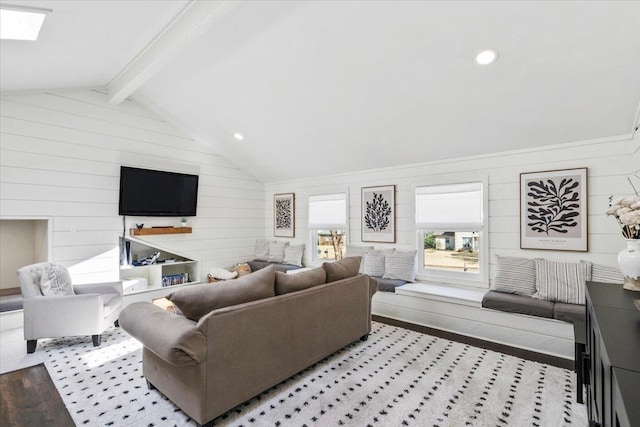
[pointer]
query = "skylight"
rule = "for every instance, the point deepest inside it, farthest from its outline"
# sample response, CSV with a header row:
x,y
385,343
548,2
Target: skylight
x,y
21,23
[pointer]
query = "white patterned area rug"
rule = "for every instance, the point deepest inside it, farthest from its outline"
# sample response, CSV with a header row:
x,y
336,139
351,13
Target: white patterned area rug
x,y
396,378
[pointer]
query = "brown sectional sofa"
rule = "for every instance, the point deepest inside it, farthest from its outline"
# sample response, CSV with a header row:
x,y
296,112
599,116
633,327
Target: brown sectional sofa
x,y
211,364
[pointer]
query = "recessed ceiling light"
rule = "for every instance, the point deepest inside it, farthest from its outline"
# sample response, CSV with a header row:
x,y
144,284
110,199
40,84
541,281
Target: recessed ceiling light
x,y
238,136
21,22
487,56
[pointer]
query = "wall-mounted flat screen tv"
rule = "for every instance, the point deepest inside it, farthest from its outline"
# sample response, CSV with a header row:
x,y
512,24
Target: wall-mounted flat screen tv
x,y
145,192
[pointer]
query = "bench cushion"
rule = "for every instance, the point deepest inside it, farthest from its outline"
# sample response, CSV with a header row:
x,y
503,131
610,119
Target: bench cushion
x,y
388,285
573,313
517,304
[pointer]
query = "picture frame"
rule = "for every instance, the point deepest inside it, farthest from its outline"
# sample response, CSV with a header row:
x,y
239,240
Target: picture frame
x,y
284,215
378,214
553,210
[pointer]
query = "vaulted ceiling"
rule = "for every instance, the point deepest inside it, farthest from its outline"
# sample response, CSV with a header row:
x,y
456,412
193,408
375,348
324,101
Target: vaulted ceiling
x,y
324,87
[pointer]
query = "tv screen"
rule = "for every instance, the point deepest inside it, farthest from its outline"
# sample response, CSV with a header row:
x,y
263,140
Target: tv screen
x,y
145,192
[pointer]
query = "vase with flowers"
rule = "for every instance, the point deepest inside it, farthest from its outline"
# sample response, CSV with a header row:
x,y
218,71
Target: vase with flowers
x,y
626,210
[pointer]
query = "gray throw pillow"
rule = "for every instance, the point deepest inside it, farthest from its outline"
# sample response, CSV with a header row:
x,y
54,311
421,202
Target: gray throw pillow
x,y
276,251
286,283
562,281
515,275
342,269
293,255
352,250
198,300
402,265
262,251
56,281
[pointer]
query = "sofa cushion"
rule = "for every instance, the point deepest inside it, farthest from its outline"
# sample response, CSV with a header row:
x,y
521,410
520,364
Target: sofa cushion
x,y
562,281
388,285
56,281
373,262
574,313
262,250
342,269
517,304
286,283
401,265
352,250
276,251
515,275
293,255
198,300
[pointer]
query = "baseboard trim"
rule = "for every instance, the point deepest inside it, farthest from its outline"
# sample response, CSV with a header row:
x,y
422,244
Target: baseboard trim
x,y
477,342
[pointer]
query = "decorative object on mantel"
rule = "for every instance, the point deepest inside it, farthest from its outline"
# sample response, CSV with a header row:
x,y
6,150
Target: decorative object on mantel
x,y
378,216
553,210
626,210
284,215
183,222
139,226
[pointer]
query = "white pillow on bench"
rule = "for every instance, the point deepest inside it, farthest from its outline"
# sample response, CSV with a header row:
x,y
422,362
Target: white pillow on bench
x,y
562,281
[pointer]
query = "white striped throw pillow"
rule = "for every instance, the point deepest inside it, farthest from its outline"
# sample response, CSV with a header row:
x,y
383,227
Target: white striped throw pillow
x,y
293,255
373,262
262,251
358,251
401,265
276,251
515,275
606,274
562,281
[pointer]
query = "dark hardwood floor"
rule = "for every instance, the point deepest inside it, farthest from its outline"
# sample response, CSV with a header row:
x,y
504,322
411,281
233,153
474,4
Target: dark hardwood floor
x,y
29,398
476,342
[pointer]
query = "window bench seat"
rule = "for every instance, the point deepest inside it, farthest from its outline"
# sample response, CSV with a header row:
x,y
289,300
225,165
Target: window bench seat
x,y
460,310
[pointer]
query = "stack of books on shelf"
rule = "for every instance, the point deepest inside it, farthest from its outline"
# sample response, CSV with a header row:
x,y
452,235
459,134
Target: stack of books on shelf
x,y
175,279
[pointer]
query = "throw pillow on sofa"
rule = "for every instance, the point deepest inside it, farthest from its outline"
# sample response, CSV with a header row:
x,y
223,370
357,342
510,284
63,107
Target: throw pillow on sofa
x,y
262,251
352,250
286,283
293,255
56,281
562,281
401,265
515,275
198,300
276,251
342,269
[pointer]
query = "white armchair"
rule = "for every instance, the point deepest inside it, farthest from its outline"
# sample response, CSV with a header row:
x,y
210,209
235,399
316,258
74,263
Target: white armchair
x,y
89,312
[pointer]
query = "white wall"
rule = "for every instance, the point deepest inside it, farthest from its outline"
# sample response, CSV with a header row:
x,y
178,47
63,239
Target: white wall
x,y
636,157
60,157
609,164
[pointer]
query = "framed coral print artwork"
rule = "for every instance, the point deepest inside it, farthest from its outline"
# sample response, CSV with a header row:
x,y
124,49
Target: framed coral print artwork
x,y
553,210
379,214
284,215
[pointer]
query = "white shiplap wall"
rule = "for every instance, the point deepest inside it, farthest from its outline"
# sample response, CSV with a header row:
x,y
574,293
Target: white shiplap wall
x,y
60,157
609,164
636,157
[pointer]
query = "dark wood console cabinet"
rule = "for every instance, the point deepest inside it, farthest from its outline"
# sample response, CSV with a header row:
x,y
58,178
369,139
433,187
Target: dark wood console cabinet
x,y
612,359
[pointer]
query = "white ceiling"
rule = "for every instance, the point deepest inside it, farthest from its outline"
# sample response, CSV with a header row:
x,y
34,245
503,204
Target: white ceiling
x,y
326,87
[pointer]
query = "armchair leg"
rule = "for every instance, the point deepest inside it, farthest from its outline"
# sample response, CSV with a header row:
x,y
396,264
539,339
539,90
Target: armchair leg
x,y
96,340
31,346
117,323
364,337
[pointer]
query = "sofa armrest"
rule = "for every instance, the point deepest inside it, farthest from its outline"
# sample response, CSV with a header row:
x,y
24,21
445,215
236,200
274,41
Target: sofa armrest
x,y
99,288
175,339
59,315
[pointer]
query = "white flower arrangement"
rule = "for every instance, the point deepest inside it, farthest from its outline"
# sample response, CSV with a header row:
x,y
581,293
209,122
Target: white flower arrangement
x,y
626,210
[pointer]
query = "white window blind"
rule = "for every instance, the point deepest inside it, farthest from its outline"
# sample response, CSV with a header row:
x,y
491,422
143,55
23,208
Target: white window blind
x,y
449,207
328,212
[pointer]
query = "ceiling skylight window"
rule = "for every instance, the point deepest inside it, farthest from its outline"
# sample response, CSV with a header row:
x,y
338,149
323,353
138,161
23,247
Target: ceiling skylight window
x,y
21,22
487,56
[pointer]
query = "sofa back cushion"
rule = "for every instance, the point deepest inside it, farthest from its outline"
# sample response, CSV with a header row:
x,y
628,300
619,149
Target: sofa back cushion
x,y
286,283
342,269
198,300
515,275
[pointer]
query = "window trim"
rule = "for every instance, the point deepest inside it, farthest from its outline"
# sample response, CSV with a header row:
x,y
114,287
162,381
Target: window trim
x,y
480,279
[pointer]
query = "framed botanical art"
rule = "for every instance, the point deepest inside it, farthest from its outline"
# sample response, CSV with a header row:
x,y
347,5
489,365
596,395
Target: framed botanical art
x,y
284,215
553,210
378,217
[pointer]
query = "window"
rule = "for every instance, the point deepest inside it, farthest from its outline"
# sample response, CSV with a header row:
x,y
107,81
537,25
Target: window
x,y
328,225
452,246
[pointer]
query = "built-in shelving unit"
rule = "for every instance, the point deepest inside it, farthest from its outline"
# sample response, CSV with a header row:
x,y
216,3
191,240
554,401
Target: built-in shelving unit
x,y
159,230
146,282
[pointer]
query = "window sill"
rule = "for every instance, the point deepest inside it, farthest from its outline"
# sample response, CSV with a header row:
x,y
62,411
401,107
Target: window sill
x,y
454,294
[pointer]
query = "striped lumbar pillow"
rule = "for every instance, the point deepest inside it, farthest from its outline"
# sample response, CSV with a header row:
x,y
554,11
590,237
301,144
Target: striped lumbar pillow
x,y
515,275
373,262
562,281
358,251
606,274
401,265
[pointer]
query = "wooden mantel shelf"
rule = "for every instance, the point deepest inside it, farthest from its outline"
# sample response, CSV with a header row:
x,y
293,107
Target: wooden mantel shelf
x,y
159,230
